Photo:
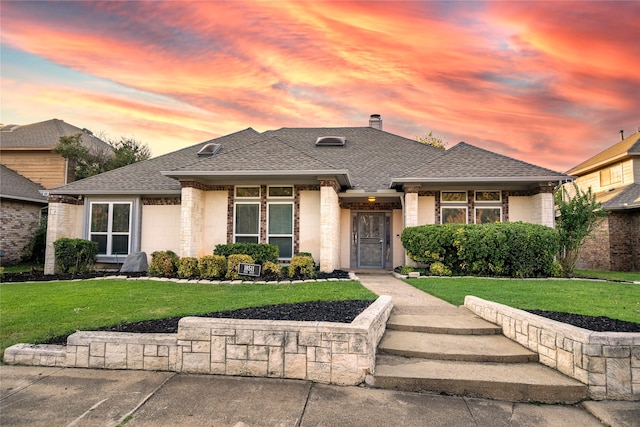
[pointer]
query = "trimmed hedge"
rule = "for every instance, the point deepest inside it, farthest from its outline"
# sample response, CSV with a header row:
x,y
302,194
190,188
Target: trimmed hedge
x,y
163,264
302,266
75,255
188,268
212,266
234,261
512,249
259,252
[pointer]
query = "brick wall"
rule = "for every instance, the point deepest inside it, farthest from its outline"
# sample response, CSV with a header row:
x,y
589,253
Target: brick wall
x,y
18,221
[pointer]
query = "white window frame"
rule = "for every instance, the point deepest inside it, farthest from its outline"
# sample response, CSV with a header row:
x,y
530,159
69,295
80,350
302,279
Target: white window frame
x,y
486,204
110,233
455,204
290,235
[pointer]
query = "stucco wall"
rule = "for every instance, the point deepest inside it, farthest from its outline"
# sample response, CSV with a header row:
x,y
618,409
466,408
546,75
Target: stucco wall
x,y
160,228
520,208
215,220
18,221
309,237
345,239
426,210
64,220
396,243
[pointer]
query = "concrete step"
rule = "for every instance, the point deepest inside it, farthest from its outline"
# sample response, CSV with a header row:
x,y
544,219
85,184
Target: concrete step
x,y
517,382
464,323
472,348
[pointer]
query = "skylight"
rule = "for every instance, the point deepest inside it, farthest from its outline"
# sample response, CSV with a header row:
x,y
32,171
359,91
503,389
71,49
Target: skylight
x,y
328,141
209,150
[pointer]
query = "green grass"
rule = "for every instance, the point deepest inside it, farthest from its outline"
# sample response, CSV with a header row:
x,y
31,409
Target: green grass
x,y
609,275
36,312
22,268
592,298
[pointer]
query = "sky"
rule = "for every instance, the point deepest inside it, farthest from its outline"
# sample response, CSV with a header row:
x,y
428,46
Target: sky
x,y
548,82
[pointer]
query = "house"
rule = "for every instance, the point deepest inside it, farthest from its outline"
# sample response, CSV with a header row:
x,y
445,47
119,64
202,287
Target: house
x,y
28,150
29,165
22,209
343,194
613,175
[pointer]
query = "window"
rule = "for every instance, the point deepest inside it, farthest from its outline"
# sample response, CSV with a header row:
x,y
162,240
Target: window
x,y
280,229
488,206
611,175
454,207
247,215
279,221
110,227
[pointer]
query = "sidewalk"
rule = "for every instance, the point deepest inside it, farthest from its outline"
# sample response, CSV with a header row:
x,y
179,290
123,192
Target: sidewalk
x,y
35,396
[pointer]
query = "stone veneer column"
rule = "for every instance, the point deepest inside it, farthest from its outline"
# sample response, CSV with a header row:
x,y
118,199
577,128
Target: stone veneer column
x,y
544,209
410,211
329,226
191,219
61,221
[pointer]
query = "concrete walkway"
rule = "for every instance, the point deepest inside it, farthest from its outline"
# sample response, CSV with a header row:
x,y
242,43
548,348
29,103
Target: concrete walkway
x,y
44,396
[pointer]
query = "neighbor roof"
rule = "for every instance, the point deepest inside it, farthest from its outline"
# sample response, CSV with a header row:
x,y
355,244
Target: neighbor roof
x,y
45,136
368,161
622,198
17,187
630,146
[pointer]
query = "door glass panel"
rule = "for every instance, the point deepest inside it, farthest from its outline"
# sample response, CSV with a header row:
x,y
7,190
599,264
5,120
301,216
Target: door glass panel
x,y
371,240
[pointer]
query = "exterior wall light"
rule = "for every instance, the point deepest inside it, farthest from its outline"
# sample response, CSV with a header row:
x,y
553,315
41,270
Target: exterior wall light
x,y
371,199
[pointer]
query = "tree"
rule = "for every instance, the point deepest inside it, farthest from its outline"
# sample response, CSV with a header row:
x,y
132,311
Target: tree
x,y
128,151
432,140
578,216
88,162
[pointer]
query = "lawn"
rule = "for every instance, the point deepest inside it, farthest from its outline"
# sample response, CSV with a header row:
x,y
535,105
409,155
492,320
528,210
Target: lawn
x,y
36,312
593,298
627,276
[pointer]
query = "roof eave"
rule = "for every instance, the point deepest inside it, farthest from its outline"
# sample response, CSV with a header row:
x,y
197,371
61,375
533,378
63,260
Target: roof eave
x,y
519,179
340,173
23,199
132,192
595,166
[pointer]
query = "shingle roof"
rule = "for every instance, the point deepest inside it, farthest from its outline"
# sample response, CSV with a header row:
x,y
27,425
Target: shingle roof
x,y
45,136
627,197
17,187
145,177
465,162
630,146
368,161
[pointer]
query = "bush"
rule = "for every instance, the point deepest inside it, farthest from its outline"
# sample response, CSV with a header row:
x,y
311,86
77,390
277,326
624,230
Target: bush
x,y
260,252
212,266
557,270
75,255
503,249
234,261
163,264
302,266
188,268
35,248
271,271
439,269
405,269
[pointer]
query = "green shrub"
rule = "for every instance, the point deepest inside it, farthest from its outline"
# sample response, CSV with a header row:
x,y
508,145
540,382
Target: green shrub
x,y
556,269
233,261
163,264
501,249
439,269
405,269
260,252
35,248
75,255
302,266
212,266
271,271
188,268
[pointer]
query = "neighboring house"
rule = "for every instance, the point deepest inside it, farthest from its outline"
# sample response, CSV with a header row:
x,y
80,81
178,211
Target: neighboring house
x,y
342,194
29,149
22,208
614,177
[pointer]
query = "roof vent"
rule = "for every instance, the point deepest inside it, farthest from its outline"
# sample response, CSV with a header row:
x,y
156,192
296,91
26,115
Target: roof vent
x,y
9,128
375,121
329,141
87,131
209,150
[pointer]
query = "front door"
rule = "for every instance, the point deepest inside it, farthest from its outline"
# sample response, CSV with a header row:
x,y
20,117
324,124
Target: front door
x,y
371,240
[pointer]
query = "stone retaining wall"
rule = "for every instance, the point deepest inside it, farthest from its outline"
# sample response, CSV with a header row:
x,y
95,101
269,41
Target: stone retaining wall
x,y
335,353
607,362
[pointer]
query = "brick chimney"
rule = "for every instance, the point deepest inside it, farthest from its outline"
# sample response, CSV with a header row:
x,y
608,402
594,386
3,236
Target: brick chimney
x,y
375,121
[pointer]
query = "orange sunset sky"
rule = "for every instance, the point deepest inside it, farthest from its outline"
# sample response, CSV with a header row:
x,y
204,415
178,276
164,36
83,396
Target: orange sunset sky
x,y
551,83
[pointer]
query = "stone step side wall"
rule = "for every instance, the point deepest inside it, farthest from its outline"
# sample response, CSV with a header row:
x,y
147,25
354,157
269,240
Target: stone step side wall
x,y
607,362
334,353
